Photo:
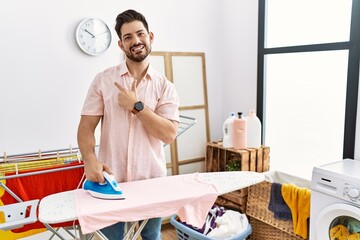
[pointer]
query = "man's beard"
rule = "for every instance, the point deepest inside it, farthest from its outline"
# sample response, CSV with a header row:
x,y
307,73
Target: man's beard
x,y
138,58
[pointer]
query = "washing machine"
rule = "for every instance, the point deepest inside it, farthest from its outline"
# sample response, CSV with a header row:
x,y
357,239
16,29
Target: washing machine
x,y
335,201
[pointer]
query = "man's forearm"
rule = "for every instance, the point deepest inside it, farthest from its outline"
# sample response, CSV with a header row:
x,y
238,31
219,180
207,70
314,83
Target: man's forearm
x,y
86,138
159,127
86,142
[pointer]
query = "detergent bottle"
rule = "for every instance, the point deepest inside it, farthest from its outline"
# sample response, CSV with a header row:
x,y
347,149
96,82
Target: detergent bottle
x,y
253,130
228,130
240,127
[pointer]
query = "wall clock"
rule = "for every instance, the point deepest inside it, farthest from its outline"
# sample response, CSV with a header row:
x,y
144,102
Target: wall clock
x,y
93,36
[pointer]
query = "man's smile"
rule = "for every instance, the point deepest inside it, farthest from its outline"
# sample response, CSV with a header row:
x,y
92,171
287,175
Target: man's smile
x,y
137,48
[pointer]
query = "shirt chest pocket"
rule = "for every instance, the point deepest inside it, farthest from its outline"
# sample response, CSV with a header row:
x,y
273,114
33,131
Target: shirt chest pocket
x,y
150,97
151,103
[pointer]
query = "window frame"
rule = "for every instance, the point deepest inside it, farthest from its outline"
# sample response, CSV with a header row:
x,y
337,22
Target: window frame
x,y
353,46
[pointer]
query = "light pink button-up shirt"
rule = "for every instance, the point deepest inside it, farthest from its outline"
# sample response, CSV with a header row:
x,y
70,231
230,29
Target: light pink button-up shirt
x,y
125,146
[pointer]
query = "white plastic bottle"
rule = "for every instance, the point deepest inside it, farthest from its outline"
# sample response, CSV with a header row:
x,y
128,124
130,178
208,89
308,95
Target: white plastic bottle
x,y
240,132
253,130
228,129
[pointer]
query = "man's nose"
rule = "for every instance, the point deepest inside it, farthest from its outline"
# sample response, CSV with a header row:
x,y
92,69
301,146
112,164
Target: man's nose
x,y
137,40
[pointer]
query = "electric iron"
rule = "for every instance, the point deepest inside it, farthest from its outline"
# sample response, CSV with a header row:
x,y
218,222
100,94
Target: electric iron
x,y
108,190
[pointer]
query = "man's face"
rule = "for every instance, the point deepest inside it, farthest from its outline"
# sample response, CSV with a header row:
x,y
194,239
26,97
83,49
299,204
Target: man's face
x,y
135,41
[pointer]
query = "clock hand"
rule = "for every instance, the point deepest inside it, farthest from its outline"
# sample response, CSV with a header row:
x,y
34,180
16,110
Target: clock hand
x,y
89,33
101,33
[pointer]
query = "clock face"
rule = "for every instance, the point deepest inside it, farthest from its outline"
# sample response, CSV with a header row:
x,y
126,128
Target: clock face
x,y
93,36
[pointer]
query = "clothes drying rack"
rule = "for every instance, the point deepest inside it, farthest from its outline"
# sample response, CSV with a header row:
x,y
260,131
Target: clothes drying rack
x,y
30,164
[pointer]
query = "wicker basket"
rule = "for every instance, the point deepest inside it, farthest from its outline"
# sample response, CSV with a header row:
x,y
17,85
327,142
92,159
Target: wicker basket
x,y
262,220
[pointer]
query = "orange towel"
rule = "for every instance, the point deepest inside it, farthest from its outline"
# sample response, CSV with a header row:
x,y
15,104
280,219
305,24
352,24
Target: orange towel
x,y
298,200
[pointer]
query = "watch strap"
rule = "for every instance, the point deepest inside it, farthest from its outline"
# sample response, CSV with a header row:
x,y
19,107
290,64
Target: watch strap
x,y
134,111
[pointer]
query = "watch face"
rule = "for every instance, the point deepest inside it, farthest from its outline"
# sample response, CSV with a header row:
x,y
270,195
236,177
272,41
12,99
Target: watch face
x,y
93,36
139,106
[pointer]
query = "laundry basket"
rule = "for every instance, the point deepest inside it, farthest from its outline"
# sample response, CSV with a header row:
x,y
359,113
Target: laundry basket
x,y
185,233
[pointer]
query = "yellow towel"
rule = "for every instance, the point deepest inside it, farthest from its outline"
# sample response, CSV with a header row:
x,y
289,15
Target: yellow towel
x,y
298,200
354,236
339,232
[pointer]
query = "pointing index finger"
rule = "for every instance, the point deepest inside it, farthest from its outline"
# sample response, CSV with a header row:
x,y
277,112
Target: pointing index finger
x,y
118,86
133,87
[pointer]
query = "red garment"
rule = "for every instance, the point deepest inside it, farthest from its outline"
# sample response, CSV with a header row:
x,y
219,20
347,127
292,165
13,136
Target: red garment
x,y
41,185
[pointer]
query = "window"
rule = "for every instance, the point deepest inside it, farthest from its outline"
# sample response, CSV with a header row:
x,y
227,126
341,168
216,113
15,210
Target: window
x,y
302,22
308,72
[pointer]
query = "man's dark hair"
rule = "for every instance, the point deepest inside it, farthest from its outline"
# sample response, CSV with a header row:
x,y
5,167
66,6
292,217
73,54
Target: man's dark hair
x,y
127,17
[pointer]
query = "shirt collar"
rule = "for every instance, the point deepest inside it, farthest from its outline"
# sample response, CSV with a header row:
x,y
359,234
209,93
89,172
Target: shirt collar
x,y
150,74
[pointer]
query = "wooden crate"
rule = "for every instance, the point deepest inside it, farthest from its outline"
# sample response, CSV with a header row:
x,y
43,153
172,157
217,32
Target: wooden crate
x,y
252,159
234,200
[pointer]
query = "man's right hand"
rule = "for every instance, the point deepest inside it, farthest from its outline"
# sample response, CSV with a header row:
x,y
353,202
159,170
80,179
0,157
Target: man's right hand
x,y
94,169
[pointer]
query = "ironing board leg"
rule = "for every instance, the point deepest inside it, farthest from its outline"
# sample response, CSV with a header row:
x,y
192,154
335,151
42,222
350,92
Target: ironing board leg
x,y
136,233
130,233
84,236
69,232
51,229
98,235
129,229
8,190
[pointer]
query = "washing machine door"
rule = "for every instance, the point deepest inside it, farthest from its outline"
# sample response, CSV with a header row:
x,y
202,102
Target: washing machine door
x,y
338,221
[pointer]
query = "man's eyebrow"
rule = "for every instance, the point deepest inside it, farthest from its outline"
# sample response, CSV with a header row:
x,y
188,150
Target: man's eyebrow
x,y
125,35
139,31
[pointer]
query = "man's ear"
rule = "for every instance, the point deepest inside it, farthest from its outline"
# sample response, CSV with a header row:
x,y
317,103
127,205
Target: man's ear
x,y
151,35
121,45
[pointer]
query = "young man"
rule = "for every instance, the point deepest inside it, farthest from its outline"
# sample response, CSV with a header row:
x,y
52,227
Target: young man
x,y
139,112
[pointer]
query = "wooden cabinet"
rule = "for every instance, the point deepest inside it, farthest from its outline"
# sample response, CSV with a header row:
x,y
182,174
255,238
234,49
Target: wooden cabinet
x,y
219,158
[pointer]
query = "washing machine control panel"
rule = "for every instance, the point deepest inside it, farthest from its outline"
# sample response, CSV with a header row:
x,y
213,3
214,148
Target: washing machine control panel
x,y
352,193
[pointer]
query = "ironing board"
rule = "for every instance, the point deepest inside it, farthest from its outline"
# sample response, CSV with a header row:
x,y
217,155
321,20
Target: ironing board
x,y
36,161
61,207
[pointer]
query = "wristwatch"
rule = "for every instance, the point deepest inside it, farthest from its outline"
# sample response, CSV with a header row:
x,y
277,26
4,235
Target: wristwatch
x,y
138,106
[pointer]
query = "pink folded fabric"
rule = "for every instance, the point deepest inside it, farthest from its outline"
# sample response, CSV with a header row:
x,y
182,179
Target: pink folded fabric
x,y
183,195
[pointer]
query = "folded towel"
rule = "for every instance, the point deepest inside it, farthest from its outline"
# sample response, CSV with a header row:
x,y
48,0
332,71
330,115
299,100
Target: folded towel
x,y
277,204
298,199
